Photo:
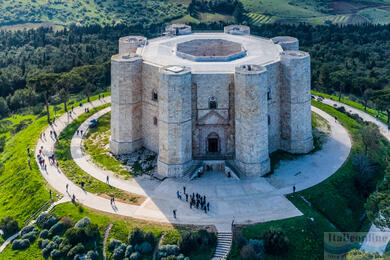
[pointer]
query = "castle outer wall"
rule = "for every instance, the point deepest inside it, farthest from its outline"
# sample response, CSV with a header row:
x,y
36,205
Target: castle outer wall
x,y
166,109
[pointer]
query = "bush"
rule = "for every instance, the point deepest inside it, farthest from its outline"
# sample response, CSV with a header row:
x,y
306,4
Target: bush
x,y
188,242
167,250
240,240
206,239
56,229
75,236
45,253
55,254
58,240
92,232
31,236
275,242
51,246
64,248
68,222
137,236
149,237
46,220
9,226
258,246
44,234
20,244
27,229
135,256
129,251
83,222
247,252
145,248
77,249
113,244
92,255
119,252
42,243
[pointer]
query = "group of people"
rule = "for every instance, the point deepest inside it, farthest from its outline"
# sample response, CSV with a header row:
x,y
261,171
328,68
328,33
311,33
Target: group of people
x,y
195,200
79,132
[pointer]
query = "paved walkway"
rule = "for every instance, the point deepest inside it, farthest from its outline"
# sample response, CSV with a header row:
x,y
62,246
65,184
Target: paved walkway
x,y
248,200
368,246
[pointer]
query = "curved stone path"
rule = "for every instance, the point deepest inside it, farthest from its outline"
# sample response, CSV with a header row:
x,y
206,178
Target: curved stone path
x,y
368,246
248,200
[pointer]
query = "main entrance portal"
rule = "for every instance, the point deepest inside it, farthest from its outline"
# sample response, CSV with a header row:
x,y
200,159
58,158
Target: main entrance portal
x,y
213,143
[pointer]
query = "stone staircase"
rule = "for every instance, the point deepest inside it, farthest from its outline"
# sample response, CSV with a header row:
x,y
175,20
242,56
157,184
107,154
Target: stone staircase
x,y
223,245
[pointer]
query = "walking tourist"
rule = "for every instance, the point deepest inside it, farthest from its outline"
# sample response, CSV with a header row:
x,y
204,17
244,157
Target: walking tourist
x,y
174,213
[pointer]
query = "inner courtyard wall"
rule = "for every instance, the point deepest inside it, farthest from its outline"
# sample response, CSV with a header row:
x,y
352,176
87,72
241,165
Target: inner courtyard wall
x,y
150,83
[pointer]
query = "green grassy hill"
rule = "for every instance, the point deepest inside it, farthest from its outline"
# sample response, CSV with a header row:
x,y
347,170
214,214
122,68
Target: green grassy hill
x,y
144,12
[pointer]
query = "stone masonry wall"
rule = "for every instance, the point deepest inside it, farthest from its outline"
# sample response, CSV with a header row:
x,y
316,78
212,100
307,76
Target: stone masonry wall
x,y
251,112
175,128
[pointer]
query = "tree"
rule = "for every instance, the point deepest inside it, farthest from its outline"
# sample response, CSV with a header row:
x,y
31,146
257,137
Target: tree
x,y
367,94
9,226
65,83
89,75
370,136
44,84
365,170
4,110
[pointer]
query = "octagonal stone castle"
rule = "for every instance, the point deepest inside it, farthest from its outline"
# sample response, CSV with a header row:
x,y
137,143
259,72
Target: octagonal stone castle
x,y
194,97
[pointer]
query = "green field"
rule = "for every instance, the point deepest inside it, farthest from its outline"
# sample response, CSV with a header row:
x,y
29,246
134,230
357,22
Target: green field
x,y
89,11
376,16
257,19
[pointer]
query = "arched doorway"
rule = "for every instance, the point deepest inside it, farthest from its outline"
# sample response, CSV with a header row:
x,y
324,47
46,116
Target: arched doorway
x,y
213,143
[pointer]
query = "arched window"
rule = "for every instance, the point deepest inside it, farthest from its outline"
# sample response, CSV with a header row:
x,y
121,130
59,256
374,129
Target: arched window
x,y
212,103
154,95
269,94
269,120
155,120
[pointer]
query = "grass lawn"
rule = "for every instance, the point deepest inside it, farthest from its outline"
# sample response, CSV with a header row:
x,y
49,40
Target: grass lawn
x,y
336,204
305,235
376,16
96,145
77,175
23,191
345,100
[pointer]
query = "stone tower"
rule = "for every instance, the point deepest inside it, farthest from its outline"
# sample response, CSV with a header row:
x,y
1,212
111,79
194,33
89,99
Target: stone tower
x,y
175,127
251,117
126,106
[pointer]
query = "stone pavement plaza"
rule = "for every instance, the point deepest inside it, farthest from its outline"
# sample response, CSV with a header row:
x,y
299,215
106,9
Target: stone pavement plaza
x,y
248,200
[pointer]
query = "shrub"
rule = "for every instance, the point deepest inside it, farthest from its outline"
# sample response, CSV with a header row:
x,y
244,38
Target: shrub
x,y
26,230
149,237
9,226
167,250
46,220
75,236
135,256
145,248
43,243
258,246
275,241
129,250
45,253
137,236
30,236
44,234
55,254
119,252
65,248
92,232
51,246
68,222
56,229
113,244
57,240
188,242
207,239
83,222
240,240
247,252
92,255
77,249
20,244
41,220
